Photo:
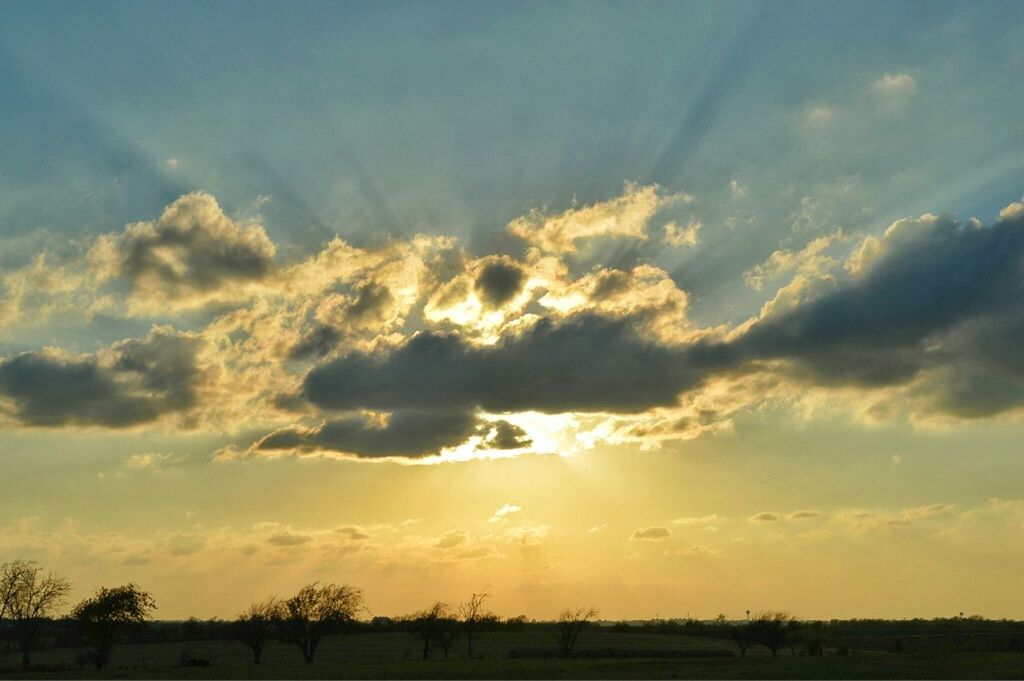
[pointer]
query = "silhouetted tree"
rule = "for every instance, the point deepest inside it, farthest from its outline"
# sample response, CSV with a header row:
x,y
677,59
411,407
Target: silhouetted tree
x,y
447,632
254,624
774,629
743,636
741,633
315,611
109,611
10,575
569,625
472,613
30,598
516,623
435,625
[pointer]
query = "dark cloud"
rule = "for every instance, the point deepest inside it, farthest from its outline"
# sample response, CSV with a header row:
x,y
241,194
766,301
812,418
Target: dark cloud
x,y
651,533
505,435
319,341
609,283
352,533
372,302
289,539
193,247
50,391
589,363
942,296
370,306
165,363
499,281
939,304
407,433
136,382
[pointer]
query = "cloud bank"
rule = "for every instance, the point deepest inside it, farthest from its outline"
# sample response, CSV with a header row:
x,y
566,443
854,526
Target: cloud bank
x,y
413,347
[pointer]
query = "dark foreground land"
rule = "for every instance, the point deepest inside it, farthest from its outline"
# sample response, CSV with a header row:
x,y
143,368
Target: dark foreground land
x,y
396,654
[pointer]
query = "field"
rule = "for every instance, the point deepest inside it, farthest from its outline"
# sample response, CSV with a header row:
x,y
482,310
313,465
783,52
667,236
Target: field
x,y
397,655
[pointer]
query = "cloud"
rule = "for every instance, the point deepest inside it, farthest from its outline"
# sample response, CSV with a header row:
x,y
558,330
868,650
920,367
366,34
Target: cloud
x,y
692,550
317,342
711,519
935,309
588,363
807,261
527,535
452,539
938,297
863,520
656,533
132,382
803,515
688,235
478,552
185,544
766,517
186,256
625,217
289,539
153,461
351,532
503,512
505,435
819,115
419,346
405,433
498,281
895,84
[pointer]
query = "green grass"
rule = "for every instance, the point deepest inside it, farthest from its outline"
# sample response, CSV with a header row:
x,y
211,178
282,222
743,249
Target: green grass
x,y
396,655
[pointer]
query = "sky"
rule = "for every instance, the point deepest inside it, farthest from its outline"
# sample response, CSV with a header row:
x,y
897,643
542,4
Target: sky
x,y
672,309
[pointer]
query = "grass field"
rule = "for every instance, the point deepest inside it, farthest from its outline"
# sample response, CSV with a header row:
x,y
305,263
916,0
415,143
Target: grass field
x,y
396,655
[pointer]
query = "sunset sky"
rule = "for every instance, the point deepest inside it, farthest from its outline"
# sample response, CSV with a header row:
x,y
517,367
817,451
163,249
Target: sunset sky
x,y
668,308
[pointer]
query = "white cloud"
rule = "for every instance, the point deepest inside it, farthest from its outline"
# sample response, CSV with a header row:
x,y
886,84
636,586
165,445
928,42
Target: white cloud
x,y
625,217
819,115
895,84
503,512
686,235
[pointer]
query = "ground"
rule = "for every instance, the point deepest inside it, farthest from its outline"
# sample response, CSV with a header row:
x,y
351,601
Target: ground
x,y
396,655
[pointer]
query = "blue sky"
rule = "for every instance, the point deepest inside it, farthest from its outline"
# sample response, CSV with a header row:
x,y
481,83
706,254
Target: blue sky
x,y
370,120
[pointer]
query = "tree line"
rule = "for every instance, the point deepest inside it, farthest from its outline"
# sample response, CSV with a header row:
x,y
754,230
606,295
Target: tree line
x,y
30,599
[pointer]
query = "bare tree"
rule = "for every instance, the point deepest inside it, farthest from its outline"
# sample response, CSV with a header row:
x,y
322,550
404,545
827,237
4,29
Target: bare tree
x,y
10,574
569,625
472,613
317,610
254,624
435,626
107,612
30,598
773,629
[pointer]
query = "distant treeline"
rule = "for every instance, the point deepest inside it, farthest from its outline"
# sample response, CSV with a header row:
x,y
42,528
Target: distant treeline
x,y
943,634
65,632
31,601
